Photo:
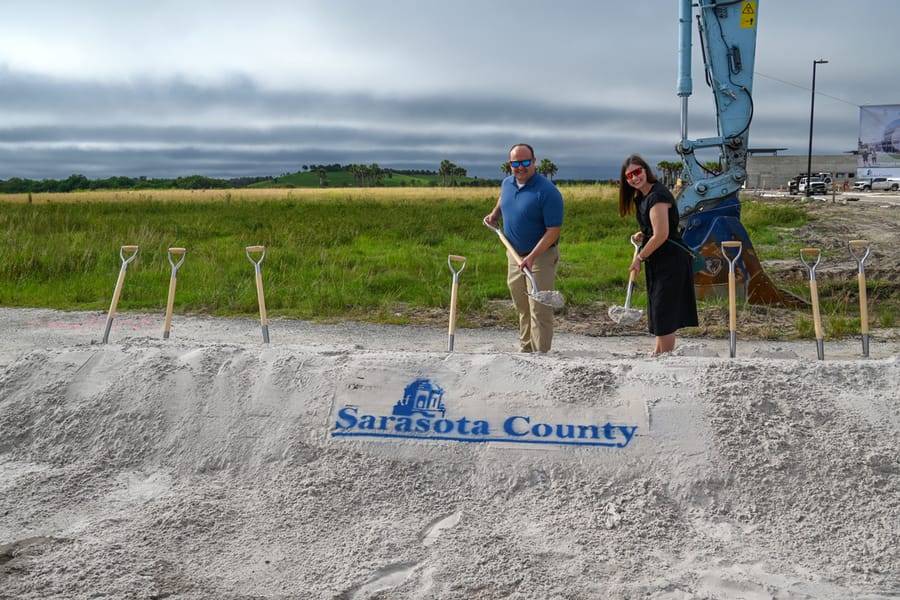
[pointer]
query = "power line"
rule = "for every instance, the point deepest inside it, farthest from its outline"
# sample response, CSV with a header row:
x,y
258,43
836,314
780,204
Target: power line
x,y
804,87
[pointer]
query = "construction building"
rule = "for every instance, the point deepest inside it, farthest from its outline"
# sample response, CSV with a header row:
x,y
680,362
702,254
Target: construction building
x,y
772,172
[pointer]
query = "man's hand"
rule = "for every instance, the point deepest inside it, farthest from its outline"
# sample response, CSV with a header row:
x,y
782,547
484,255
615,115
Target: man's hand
x,y
493,218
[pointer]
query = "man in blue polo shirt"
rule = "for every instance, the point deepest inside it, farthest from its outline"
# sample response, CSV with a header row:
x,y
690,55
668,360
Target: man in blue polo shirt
x,y
532,211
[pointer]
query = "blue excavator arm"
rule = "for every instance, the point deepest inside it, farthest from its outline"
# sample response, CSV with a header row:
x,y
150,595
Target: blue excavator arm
x,y
708,203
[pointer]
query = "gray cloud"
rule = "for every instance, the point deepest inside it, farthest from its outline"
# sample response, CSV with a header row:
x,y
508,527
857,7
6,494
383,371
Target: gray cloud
x,y
151,127
405,86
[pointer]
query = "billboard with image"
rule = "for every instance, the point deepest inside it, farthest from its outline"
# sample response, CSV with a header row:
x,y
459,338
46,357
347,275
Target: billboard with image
x,y
879,141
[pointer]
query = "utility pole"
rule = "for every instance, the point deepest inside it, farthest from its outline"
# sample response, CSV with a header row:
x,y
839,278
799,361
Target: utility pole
x,y
812,104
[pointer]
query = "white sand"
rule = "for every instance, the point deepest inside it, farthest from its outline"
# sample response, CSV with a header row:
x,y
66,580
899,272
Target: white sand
x,y
203,466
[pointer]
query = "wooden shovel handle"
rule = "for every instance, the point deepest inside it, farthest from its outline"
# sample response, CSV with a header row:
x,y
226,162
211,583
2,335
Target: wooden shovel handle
x,y
855,245
863,303
732,283
454,297
454,290
262,300
817,318
509,247
170,304
732,301
116,294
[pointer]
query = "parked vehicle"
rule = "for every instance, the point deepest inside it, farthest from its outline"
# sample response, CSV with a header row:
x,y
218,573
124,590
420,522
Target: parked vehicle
x,y
877,184
793,185
817,185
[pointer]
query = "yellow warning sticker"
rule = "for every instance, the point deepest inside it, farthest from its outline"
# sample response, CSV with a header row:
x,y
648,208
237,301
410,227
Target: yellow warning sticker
x,y
748,15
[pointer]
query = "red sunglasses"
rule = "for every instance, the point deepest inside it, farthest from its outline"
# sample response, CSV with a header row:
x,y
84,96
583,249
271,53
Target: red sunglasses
x,y
636,173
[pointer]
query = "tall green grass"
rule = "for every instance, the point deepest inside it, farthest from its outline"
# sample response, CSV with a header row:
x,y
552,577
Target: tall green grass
x,y
771,226
350,254
327,256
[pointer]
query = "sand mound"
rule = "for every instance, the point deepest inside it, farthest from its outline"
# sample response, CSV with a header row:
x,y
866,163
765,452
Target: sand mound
x,y
208,467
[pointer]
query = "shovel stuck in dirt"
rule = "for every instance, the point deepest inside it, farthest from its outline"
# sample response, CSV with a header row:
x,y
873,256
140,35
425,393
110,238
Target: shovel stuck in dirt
x,y
814,295
732,292
454,295
264,323
548,297
625,315
859,250
118,291
173,280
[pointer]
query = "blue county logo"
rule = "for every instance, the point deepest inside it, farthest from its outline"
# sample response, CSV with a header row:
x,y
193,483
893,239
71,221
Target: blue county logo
x,y
422,414
421,397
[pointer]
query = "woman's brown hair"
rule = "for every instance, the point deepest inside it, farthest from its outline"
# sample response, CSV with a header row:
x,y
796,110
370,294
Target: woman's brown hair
x,y
627,193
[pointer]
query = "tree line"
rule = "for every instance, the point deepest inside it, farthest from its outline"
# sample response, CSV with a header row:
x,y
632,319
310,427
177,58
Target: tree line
x,y
78,183
364,176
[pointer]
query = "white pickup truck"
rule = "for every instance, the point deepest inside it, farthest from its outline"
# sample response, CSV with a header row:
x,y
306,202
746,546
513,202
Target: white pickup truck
x,y
817,185
877,183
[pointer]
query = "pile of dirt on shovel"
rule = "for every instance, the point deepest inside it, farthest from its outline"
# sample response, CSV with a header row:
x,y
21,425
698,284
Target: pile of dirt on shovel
x,y
202,467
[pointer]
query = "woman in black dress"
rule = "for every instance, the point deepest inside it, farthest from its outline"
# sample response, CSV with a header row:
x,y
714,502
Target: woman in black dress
x,y
671,303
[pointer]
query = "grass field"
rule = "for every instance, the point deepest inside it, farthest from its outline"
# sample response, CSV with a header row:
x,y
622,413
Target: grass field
x,y
375,254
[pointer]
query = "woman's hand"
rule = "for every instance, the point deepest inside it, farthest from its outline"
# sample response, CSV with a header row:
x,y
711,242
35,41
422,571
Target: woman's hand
x,y
635,264
638,238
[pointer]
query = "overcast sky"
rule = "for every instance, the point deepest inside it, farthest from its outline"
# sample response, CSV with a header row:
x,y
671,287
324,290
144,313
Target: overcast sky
x,y
221,88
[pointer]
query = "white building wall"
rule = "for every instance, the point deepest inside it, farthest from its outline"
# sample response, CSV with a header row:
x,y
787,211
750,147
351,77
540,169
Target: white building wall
x,y
773,172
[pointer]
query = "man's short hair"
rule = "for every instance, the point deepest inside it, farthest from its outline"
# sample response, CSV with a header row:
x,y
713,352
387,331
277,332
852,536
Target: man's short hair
x,y
514,146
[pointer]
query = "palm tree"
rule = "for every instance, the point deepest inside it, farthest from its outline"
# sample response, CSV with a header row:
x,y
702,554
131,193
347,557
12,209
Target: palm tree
x,y
506,169
374,173
662,168
457,172
669,171
354,171
445,170
547,168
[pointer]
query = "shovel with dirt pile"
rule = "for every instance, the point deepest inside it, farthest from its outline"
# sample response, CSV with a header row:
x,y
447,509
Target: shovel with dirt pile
x,y
625,315
548,297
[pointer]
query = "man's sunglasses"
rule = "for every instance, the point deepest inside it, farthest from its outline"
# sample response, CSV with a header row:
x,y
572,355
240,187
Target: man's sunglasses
x,y
515,164
636,173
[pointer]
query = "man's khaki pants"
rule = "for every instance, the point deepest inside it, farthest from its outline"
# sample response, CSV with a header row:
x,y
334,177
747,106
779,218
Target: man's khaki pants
x,y
535,319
